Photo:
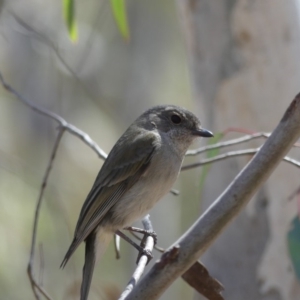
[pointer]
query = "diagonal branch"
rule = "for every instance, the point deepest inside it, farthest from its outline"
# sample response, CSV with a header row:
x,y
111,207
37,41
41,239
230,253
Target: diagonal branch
x,y
55,117
142,261
206,229
56,51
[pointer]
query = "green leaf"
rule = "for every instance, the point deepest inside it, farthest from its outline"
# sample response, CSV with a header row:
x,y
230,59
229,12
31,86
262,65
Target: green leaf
x,y
119,11
69,16
210,154
293,239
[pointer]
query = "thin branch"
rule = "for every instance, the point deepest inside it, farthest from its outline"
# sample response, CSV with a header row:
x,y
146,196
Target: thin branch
x,y
56,51
34,107
88,44
292,161
232,142
219,157
61,121
142,261
86,139
203,162
227,143
206,229
42,265
33,282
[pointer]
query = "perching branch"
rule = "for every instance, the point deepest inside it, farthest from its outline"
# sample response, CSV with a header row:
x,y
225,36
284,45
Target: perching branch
x,y
198,277
182,254
139,270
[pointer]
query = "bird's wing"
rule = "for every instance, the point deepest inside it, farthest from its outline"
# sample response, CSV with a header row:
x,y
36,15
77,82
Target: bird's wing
x,y
122,168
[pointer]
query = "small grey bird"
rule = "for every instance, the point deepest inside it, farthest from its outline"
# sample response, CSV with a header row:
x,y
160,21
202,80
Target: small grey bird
x,y
140,169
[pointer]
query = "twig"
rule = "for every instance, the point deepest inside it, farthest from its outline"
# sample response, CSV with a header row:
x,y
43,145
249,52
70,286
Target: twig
x,y
206,161
228,143
206,229
56,51
33,282
42,265
86,139
219,157
34,107
232,142
292,161
61,121
142,261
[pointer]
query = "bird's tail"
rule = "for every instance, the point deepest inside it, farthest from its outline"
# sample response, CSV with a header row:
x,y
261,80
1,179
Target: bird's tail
x,y
95,246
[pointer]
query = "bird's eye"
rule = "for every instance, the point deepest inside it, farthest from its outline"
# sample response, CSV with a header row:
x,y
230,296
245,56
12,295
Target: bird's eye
x,y
176,119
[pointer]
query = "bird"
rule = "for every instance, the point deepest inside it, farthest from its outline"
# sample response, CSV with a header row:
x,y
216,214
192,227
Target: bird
x,y
139,170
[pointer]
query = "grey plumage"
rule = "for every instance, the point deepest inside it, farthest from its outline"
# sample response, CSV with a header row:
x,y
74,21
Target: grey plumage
x,y
140,169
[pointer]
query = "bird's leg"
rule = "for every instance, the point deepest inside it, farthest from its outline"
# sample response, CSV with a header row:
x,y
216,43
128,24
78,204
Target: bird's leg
x,y
141,250
145,232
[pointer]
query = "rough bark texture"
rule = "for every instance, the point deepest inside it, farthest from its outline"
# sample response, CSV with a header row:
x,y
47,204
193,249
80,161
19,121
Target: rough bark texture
x,y
244,64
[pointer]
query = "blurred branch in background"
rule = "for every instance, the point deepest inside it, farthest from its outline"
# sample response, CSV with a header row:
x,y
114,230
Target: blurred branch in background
x,y
44,39
34,284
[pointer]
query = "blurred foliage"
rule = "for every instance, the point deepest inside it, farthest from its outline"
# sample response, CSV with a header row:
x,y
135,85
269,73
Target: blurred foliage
x,y
119,10
69,15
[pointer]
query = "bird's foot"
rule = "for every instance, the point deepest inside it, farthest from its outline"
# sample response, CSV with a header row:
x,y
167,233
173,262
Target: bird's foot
x,y
143,231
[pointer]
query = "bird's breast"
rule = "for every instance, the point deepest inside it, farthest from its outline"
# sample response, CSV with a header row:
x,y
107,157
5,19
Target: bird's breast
x,y
156,181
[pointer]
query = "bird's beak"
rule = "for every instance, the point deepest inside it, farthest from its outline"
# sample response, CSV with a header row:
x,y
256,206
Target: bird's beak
x,y
203,132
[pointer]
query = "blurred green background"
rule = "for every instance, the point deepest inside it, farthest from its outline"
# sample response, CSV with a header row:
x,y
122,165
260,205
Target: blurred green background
x,y
101,84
